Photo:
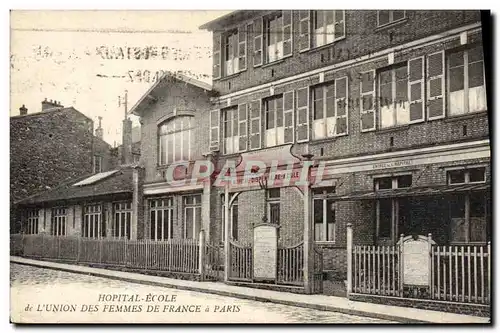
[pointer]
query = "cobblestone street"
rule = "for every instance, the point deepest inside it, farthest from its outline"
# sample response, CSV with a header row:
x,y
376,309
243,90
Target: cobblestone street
x,y
45,288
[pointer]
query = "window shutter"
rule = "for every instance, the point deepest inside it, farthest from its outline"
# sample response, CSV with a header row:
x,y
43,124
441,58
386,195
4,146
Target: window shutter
x,y
339,24
288,119
435,85
242,48
416,89
302,114
216,57
242,127
255,124
257,42
214,129
304,30
287,32
367,109
341,107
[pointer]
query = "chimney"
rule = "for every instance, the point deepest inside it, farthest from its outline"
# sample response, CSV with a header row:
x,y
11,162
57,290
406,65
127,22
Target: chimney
x,y
50,104
23,110
99,131
127,141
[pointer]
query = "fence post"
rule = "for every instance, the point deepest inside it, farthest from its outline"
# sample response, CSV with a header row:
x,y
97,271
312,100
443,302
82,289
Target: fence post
x,y
79,245
429,245
349,259
401,265
201,257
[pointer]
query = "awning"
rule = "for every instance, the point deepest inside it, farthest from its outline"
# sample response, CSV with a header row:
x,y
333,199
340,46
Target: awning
x,y
413,192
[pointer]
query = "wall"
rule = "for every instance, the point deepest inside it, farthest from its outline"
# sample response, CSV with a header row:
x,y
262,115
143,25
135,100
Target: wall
x,y
362,37
175,95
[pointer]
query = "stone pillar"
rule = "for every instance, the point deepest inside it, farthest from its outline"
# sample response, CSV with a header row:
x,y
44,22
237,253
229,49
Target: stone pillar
x,y
108,208
308,230
205,203
226,232
137,227
78,220
349,258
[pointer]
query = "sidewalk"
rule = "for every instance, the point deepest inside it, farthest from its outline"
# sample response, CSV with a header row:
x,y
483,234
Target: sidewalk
x,y
319,302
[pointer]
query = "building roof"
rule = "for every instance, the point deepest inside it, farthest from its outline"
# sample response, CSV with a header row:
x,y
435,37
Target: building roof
x,y
233,18
46,112
179,76
111,182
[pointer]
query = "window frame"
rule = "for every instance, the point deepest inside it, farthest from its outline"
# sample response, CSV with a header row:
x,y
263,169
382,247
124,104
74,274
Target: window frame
x,y
466,172
194,207
278,102
313,21
166,208
233,207
124,211
97,160
234,124
324,199
273,201
32,221
59,218
93,226
176,148
391,18
467,221
466,87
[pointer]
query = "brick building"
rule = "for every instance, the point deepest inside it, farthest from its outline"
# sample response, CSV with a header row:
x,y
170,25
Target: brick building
x,y
53,146
392,102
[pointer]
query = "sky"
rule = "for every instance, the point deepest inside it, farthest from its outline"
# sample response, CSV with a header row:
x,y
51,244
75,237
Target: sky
x,y
87,59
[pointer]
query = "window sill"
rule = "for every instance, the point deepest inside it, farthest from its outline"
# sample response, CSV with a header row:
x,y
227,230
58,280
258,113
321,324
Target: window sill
x,y
229,77
393,129
276,62
327,244
391,24
466,116
324,47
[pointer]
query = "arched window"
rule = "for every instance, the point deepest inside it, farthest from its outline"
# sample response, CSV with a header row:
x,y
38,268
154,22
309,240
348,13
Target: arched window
x,y
174,140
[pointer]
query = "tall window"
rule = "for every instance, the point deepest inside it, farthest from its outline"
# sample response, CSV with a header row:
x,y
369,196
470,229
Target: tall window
x,y
275,131
32,226
97,164
274,36
466,83
233,219
273,205
328,26
121,226
93,225
468,211
324,215
192,216
330,109
231,52
389,16
162,218
174,140
231,137
393,92
58,222
392,214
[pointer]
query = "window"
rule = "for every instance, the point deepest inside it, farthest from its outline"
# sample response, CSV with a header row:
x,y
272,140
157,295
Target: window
x,y
330,109
273,205
468,218
235,129
324,215
273,108
97,164
466,83
388,183
385,17
32,226
466,176
231,53
272,37
162,219
174,140
392,215
192,216
328,26
233,219
122,212
58,222
93,226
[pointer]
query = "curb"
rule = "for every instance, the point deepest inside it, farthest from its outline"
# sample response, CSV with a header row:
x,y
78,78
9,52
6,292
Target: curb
x,y
348,311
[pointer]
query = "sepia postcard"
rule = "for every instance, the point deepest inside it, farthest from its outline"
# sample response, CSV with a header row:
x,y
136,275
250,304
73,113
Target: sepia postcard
x,y
250,166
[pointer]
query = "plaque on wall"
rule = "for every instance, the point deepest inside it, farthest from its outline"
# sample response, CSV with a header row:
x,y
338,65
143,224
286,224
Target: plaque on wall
x,y
416,260
265,252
